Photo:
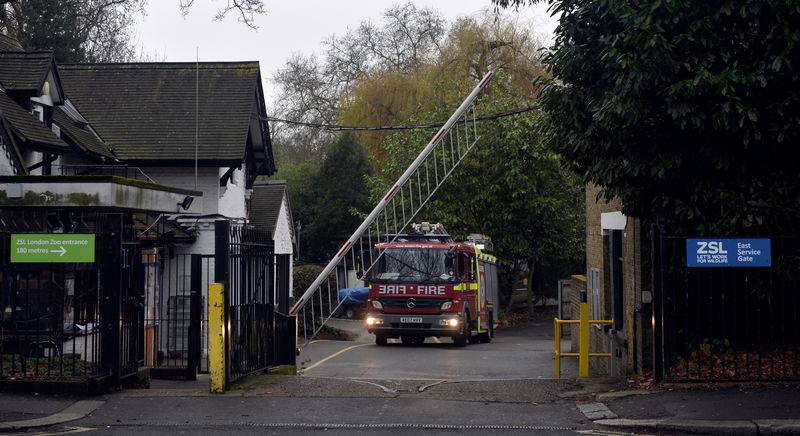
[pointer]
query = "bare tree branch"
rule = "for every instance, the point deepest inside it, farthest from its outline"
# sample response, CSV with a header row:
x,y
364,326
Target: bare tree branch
x,y
247,9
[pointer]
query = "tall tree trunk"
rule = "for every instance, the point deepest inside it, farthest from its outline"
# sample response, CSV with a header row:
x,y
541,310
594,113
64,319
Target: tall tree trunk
x,y
531,267
510,303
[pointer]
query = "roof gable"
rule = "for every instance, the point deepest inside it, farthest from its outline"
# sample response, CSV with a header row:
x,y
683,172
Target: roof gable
x,y
28,128
149,112
265,203
25,71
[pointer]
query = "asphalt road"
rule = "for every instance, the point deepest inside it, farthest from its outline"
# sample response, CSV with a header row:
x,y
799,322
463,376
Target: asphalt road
x,y
521,352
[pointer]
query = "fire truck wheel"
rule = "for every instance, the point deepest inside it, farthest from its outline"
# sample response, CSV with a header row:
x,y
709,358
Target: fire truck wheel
x,y
380,339
485,337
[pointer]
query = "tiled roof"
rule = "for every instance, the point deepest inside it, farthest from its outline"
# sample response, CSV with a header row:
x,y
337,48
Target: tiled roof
x,y
265,203
80,134
21,71
26,126
148,111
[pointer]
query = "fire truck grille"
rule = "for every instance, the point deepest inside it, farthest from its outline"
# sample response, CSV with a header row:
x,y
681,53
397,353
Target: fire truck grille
x,y
418,303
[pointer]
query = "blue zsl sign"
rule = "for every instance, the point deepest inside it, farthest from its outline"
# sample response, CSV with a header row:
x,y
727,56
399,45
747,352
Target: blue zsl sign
x,y
728,252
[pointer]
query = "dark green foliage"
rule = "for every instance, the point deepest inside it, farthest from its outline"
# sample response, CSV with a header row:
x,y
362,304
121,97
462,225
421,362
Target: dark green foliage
x,y
329,201
303,276
75,30
53,25
683,109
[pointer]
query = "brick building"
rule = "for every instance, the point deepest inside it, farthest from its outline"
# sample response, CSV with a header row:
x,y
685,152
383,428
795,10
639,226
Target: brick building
x,y
617,286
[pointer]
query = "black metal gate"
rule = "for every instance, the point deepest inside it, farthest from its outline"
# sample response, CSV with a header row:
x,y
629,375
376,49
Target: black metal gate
x,y
175,304
715,323
245,264
70,320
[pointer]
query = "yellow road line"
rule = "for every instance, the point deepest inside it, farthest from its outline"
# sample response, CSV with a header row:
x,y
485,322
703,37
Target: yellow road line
x,y
318,341
331,357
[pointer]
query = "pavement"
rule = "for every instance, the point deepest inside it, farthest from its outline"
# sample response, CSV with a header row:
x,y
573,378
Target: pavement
x,y
693,408
616,404
740,409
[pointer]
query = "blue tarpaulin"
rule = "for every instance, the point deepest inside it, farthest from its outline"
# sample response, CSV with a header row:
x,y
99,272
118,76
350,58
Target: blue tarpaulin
x,y
353,295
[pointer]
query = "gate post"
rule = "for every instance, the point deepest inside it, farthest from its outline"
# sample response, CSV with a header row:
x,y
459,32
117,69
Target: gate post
x,y
217,367
195,312
110,299
657,241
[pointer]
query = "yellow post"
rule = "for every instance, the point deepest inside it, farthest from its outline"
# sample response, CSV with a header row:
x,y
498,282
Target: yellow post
x,y
216,337
583,344
558,348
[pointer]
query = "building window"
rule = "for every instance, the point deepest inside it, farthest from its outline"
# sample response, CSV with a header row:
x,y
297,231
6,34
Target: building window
x,y
38,111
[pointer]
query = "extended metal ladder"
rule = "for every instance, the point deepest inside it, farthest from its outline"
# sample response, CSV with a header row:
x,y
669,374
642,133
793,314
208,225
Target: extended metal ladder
x,y
391,216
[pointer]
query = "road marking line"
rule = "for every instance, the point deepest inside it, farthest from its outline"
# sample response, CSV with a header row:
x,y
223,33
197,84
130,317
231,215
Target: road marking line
x,y
67,430
331,357
319,340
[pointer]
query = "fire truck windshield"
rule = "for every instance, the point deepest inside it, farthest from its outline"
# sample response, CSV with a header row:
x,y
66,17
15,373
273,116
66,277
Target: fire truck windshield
x,y
415,265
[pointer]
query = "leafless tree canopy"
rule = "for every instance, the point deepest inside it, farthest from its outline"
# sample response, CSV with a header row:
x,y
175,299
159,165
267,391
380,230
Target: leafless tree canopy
x,y
311,88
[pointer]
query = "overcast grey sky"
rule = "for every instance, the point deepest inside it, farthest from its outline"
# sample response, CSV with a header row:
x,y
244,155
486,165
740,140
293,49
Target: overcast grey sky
x,y
288,27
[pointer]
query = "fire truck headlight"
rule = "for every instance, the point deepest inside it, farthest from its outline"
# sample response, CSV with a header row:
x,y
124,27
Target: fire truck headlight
x,y
453,322
371,320
377,304
446,305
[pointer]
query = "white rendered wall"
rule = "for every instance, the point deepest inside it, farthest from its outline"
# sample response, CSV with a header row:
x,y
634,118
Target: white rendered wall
x,y
283,230
207,183
283,238
232,198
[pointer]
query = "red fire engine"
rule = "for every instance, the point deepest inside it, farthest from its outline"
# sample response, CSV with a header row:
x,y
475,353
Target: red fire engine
x,y
425,284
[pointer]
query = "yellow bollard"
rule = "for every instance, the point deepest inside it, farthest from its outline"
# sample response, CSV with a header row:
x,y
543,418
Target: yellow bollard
x,y
583,344
216,337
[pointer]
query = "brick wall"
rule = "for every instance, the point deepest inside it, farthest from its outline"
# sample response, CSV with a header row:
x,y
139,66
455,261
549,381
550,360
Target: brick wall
x,y
633,342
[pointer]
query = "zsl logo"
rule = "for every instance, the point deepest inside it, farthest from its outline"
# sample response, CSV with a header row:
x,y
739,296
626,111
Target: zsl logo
x,y
710,247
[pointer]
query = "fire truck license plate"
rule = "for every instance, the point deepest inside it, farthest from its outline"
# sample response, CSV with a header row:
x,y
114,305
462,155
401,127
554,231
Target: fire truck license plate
x,y
410,319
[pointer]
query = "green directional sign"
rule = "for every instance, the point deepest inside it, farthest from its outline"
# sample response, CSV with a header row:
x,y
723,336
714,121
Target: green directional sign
x,y
52,248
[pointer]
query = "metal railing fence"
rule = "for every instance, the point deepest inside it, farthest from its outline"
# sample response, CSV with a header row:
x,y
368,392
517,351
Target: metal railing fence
x,y
740,323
